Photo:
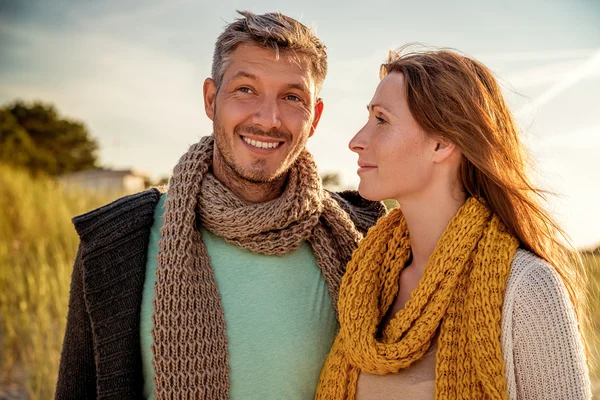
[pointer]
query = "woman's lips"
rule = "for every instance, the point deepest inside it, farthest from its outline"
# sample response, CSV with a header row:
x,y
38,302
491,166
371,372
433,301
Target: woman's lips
x,y
365,167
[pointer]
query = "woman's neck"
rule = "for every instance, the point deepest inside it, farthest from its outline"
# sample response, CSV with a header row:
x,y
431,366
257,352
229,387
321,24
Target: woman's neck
x,y
427,217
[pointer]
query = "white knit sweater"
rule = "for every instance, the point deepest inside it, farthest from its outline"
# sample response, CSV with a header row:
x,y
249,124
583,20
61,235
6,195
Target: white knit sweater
x,y
543,355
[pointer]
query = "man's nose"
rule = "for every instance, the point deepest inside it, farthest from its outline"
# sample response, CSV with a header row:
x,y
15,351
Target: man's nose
x,y
267,114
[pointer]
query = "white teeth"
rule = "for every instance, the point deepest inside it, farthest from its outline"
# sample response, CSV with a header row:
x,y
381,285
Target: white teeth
x,y
260,145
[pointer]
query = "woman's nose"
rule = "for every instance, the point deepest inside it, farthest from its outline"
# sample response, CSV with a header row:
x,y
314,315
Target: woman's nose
x,y
359,141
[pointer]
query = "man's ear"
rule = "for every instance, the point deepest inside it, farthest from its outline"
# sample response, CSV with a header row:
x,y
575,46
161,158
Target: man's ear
x,y
318,111
210,94
443,148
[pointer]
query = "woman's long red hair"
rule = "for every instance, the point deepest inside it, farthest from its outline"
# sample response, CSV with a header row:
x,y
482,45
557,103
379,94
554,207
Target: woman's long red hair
x,y
458,98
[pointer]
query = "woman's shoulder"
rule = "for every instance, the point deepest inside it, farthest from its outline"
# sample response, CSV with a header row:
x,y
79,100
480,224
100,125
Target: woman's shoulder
x,y
540,335
532,277
536,302
537,305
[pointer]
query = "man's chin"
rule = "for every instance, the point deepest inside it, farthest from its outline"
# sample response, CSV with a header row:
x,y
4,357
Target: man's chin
x,y
257,176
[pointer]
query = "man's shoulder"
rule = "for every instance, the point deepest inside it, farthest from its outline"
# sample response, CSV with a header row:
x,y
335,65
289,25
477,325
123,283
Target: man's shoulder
x,y
364,213
124,214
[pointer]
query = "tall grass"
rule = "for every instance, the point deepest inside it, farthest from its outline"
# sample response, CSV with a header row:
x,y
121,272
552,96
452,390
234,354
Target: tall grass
x,y
592,263
37,247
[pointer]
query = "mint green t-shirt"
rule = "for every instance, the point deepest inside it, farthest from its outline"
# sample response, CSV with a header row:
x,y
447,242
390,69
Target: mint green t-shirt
x,y
279,318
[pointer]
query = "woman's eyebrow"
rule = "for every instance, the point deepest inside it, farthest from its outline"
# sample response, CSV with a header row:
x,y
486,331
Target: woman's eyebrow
x,y
371,106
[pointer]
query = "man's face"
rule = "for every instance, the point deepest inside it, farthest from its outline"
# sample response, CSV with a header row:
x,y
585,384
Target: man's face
x,y
264,111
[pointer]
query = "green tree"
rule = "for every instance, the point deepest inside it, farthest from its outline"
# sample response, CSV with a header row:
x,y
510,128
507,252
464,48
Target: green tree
x,y
331,180
36,137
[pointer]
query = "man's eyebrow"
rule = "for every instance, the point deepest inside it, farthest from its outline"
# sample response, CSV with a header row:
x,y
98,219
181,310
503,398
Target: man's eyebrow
x,y
300,86
244,74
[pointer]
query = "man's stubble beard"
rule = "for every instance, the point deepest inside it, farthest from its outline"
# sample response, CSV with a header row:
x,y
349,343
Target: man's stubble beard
x,y
258,172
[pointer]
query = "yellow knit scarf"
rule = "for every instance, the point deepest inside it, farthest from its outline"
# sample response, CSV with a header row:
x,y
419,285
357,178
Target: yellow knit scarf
x,y
460,292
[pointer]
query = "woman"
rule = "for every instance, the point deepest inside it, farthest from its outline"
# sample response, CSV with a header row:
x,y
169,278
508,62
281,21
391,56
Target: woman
x,y
464,292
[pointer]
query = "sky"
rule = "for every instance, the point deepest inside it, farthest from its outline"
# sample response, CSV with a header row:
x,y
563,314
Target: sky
x,y
133,71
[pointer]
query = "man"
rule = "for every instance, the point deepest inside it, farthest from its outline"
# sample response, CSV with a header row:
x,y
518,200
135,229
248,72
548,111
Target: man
x,y
225,286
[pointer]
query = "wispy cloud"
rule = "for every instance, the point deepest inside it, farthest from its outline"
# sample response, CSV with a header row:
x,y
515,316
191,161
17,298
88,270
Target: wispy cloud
x,y
119,16
582,71
587,138
545,74
528,56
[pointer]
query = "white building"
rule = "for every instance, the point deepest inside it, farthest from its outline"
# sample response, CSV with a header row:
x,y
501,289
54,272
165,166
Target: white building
x,y
107,181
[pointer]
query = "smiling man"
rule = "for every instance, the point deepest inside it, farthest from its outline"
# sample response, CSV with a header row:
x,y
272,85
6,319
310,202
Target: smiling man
x,y
226,285
267,109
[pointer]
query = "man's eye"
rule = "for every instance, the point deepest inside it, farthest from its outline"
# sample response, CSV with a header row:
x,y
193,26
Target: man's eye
x,y
293,97
245,89
380,120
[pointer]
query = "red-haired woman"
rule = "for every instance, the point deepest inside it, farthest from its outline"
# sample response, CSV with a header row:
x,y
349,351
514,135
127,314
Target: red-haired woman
x,y
464,291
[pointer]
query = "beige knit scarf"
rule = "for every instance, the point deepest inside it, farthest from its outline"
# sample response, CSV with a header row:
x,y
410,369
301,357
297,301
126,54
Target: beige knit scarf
x,y
189,339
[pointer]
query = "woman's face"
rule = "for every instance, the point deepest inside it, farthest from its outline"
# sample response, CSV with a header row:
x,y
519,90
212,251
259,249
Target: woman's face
x,y
395,156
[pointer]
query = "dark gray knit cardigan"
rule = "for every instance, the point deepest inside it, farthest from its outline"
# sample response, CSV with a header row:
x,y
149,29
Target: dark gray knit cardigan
x,y
101,356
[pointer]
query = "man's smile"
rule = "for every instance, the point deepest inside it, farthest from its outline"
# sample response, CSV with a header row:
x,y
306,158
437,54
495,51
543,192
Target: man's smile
x,y
260,144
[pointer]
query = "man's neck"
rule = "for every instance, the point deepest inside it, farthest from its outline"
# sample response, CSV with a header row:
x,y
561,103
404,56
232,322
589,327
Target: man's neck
x,y
252,192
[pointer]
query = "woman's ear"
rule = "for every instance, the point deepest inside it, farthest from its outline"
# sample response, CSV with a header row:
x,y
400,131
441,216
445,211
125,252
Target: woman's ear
x,y
443,149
